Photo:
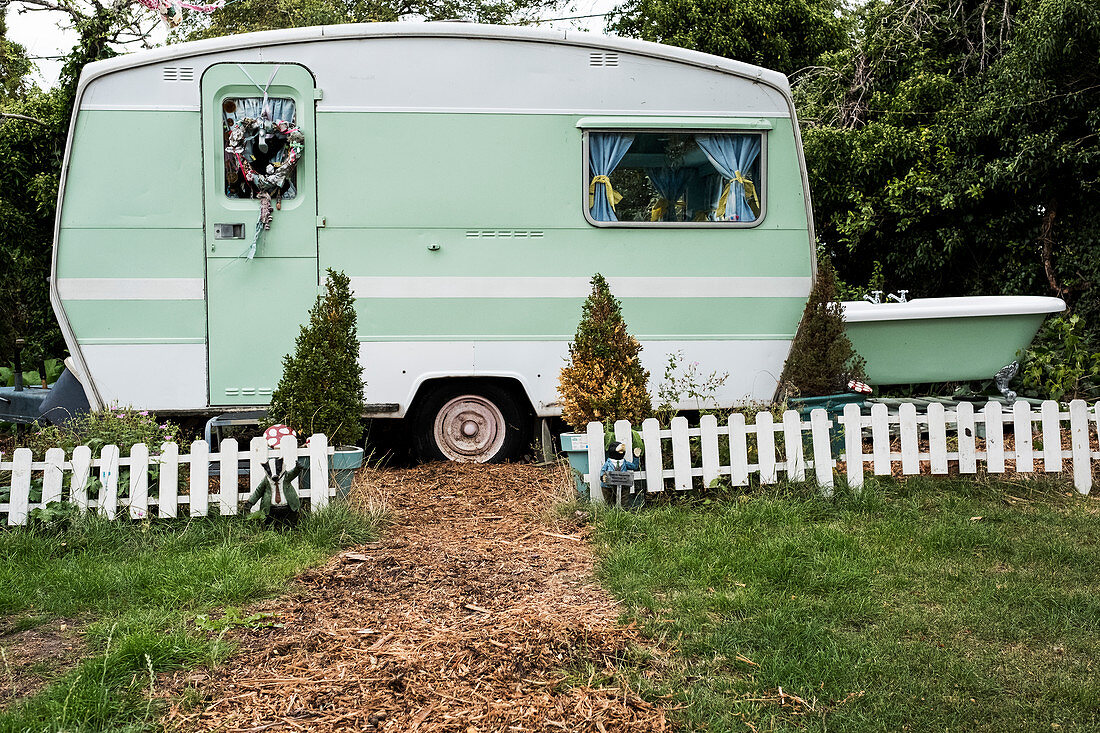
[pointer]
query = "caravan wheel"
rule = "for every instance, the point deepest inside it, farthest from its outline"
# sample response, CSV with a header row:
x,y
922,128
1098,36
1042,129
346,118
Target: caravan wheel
x,y
478,425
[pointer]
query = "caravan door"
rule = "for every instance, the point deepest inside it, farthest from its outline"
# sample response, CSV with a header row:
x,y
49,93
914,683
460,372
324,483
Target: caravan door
x,y
259,284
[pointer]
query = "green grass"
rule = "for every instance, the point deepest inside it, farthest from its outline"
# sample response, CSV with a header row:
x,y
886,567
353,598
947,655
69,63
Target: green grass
x,y
137,589
899,609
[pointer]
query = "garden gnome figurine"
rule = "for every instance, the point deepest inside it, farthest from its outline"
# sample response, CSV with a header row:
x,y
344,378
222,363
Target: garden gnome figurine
x,y
275,492
617,474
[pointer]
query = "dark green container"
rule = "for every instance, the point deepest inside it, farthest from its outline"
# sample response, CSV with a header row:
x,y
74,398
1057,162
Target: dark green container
x,y
833,405
341,465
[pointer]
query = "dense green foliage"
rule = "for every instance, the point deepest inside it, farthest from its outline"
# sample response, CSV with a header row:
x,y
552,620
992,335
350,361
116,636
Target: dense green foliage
x,y
929,605
142,597
1063,363
785,35
121,426
321,390
604,379
822,360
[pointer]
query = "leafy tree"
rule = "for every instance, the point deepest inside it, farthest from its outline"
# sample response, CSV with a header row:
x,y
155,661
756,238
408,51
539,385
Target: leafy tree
x,y
785,35
822,360
604,380
321,390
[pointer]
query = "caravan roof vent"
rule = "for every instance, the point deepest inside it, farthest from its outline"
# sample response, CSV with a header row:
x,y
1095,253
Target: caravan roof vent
x,y
600,58
179,73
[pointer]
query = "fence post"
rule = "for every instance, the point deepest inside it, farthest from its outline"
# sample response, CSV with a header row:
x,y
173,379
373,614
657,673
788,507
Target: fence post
x,y
964,426
1052,437
200,479
994,438
596,456
19,501
82,471
168,491
739,450
880,439
318,471
853,446
792,446
910,460
765,447
108,477
139,481
53,477
823,452
228,493
937,438
1021,436
1079,445
257,457
681,454
654,467
708,437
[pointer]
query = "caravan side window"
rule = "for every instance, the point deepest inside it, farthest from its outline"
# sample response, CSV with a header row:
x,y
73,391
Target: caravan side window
x,y
674,177
260,156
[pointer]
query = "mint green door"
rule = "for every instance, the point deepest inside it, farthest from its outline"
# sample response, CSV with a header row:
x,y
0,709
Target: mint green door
x,y
256,298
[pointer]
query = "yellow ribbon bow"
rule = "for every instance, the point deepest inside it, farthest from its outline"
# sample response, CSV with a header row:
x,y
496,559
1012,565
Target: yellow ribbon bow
x,y
613,196
750,195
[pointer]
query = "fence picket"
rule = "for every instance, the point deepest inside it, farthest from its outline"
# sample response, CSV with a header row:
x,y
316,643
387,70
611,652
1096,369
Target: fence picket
x,y
82,471
318,471
964,426
739,450
880,439
1052,437
1079,446
168,489
681,454
199,488
622,434
596,457
792,446
257,457
937,438
108,477
822,449
994,438
765,447
1021,436
910,459
651,440
853,445
139,481
19,500
288,451
708,430
53,476
228,493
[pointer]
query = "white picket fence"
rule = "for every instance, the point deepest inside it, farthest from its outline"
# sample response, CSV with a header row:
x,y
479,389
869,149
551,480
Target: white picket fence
x,y
58,472
938,441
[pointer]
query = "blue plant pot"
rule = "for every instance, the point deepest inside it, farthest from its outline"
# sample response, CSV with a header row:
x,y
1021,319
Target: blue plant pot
x,y
575,447
341,465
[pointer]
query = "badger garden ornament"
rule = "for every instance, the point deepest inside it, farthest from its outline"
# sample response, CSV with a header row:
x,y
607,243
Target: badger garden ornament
x,y
275,493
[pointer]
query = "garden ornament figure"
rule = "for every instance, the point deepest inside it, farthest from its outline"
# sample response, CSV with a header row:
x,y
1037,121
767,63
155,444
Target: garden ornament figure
x,y
275,492
1003,377
617,474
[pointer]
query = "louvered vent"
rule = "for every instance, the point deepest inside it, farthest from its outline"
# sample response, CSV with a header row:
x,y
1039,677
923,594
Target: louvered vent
x,y
179,73
599,58
502,234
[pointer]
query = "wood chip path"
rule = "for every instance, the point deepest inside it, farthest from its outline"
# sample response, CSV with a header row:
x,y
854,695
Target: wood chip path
x,y
462,618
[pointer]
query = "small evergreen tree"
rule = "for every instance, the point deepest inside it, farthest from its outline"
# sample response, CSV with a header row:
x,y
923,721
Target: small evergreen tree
x,y
604,380
322,386
822,360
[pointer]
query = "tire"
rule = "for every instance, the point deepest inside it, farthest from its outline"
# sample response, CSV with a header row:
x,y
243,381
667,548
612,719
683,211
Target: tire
x,y
469,423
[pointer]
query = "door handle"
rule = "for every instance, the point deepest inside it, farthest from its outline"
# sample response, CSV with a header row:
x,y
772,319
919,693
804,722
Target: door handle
x,y
229,231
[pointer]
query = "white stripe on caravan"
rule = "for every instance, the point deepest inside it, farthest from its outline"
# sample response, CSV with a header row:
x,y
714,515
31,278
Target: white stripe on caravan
x,y
578,287
131,288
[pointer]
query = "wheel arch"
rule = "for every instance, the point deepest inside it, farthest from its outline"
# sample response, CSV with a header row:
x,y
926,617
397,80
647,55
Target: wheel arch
x,y
513,384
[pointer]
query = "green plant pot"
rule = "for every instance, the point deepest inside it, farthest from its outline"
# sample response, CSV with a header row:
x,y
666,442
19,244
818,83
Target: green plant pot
x,y
575,447
342,465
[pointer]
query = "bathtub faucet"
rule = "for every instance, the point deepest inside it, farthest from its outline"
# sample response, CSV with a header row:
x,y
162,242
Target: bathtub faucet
x,y
901,297
875,297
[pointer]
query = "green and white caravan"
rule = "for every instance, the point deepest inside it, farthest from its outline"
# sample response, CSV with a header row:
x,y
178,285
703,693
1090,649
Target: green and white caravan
x,y
469,179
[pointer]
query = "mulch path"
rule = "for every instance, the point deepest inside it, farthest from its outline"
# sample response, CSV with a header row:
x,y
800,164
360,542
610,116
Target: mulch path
x,y
463,618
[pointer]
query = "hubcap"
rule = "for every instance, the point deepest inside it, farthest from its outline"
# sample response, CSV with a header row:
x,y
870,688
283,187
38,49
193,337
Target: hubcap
x,y
469,428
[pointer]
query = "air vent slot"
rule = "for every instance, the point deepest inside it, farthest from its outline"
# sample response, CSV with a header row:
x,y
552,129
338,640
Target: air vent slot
x,y
179,73
502,234
600,58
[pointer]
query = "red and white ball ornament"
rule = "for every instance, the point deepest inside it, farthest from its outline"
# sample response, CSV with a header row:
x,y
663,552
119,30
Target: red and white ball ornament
x,y
859,387
274,435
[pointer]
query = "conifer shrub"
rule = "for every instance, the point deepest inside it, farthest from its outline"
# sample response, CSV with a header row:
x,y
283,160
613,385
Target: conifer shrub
x,y
604,380
321,390
822,360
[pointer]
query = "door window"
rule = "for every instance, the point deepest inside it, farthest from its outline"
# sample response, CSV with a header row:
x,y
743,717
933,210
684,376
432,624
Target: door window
x,y
265,150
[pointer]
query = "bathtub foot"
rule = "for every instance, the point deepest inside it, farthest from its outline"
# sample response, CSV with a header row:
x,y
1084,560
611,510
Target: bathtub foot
x,y
1005,375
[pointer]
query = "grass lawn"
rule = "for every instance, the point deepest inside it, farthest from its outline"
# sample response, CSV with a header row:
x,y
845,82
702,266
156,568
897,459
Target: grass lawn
x,y
925,605
137,592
